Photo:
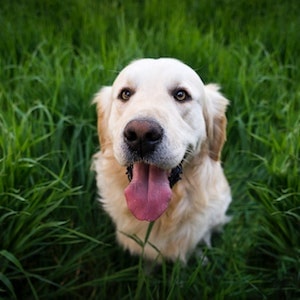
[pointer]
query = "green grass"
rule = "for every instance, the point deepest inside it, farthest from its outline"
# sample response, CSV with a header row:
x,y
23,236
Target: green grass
x,y
55,241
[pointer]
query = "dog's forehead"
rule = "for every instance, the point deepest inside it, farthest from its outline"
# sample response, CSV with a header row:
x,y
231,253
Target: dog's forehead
x,y
165,71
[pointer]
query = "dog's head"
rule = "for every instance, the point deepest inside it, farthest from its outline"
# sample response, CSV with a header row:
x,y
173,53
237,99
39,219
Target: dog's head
x,y
156,115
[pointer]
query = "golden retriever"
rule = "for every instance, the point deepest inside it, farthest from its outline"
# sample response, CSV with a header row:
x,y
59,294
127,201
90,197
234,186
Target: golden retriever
x,y
161,132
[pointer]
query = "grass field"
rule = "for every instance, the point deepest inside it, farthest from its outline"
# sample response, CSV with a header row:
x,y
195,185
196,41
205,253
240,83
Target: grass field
x,y
55,241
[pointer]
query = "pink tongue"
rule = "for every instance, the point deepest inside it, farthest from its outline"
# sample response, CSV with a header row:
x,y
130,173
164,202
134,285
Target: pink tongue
x,y
149,192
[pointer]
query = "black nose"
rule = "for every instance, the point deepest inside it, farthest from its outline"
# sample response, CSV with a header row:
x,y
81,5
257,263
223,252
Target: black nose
x,y
142,136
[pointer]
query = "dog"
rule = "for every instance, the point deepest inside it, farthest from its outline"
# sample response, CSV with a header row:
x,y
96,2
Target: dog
x,y
161,132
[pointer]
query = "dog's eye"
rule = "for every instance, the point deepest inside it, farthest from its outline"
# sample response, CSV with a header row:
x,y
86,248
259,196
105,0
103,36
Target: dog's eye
x,y
181,95
125,94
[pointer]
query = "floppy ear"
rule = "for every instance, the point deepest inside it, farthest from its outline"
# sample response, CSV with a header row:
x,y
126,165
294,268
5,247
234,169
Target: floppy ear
x,y
103,101
216,121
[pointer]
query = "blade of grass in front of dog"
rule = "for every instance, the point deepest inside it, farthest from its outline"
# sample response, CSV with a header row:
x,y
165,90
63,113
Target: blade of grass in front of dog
x,y
149,229
142,282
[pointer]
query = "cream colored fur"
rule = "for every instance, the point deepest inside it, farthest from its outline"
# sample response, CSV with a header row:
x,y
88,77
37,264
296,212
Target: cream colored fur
x,y
193,130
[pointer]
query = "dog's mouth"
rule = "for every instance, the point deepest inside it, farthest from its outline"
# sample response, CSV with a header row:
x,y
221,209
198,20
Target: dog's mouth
x,y
175,174
149,191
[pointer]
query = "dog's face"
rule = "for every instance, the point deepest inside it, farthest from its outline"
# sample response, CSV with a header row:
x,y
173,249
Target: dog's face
x,y
157,114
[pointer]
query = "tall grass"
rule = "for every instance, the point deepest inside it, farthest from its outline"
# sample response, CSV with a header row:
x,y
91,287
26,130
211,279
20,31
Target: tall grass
x,y
55,241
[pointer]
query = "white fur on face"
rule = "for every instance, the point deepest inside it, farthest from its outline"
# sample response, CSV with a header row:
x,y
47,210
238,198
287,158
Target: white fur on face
x,y
153,84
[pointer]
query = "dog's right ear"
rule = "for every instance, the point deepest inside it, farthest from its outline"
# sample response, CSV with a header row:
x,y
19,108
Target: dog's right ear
x,y
216,121
103,101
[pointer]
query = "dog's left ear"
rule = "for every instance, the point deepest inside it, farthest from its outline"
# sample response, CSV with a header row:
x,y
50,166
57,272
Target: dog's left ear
x,y
216,121
103,101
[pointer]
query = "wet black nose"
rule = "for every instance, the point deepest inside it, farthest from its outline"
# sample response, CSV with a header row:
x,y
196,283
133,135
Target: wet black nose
x,y
142,136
